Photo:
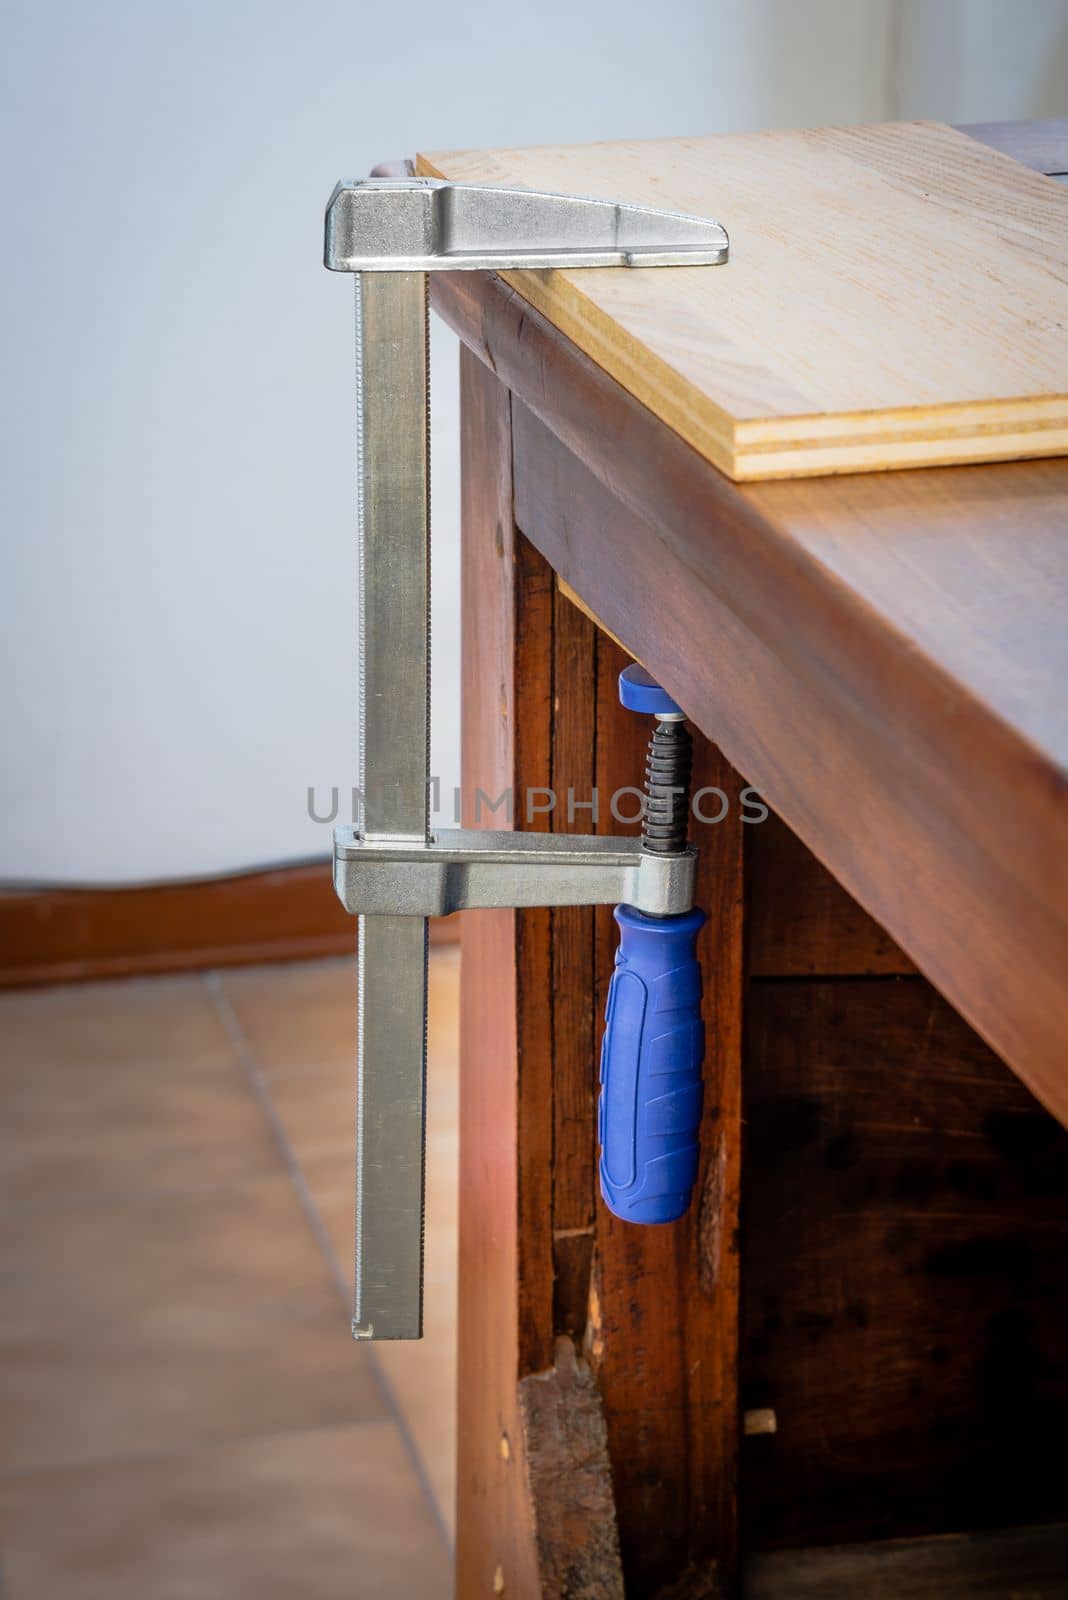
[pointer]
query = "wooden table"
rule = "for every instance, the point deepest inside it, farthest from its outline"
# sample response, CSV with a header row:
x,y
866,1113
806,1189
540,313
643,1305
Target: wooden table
x,y
875,1264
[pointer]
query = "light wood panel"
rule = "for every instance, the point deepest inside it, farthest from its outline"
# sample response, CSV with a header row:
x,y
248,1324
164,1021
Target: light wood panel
x,y
897,295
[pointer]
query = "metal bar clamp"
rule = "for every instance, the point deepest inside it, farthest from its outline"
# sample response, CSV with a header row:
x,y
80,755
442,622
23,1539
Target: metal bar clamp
x,y
391,232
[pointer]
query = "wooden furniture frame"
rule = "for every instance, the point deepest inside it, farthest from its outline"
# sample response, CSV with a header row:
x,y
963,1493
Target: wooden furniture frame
x,y
874,1265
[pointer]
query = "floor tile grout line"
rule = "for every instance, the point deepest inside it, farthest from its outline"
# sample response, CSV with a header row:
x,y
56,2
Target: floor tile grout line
x,y
246,1056
242,1048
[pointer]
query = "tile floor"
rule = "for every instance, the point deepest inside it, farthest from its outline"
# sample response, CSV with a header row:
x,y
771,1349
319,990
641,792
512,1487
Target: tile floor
x,y
182,1413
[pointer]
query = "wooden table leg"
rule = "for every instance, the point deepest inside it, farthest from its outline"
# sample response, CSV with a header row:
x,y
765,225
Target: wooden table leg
x,y
598,1427
494,1543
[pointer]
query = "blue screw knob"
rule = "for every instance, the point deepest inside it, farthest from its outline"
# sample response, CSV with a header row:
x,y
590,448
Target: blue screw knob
x,y
639,691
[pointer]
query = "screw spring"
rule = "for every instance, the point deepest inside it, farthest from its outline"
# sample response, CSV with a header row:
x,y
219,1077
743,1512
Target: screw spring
x,y
668,766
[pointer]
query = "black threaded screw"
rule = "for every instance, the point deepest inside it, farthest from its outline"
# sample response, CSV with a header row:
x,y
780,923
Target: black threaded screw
x,y
668,767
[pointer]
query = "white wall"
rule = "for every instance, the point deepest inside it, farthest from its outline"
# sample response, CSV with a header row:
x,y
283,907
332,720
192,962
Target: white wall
x,y
980,60
177,598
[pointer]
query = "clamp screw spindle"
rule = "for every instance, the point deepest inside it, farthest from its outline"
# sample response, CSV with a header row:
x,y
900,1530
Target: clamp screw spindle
x,y
668,766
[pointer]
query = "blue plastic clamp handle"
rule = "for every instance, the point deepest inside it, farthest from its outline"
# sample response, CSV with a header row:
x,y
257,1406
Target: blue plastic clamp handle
x,y
639,691
651,1059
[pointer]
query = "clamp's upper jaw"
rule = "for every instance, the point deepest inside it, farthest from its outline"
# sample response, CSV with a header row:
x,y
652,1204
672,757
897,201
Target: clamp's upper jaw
x,y
428,225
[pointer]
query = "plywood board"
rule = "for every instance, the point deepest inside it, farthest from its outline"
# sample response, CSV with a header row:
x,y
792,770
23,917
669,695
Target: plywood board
x,y
897,295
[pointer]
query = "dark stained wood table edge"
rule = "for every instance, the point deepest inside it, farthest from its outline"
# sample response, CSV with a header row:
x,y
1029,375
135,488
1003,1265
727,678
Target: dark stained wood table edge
x,y
964,897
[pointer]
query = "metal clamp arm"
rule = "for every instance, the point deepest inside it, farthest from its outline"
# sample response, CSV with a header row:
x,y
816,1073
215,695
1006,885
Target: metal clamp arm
x,y
464,869
427,225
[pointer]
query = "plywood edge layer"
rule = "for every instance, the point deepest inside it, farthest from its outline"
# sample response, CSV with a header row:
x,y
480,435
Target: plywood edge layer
x,y
954,418
949,450
815,444
812,445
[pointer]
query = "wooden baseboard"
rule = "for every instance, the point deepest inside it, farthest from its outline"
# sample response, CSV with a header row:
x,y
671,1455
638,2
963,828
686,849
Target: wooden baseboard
x,y
59,935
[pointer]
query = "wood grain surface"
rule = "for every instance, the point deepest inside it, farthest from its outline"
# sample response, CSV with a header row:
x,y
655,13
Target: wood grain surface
x,y
882,655
495,1541
904,1248
897,295
570,1477
663,1316
1021,1564
653,1310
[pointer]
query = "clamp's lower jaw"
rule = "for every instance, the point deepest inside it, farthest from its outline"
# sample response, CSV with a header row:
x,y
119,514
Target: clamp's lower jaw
x,y
464,869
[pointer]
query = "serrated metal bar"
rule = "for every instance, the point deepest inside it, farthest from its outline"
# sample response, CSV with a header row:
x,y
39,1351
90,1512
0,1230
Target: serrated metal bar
x,y
391,1129
394,725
